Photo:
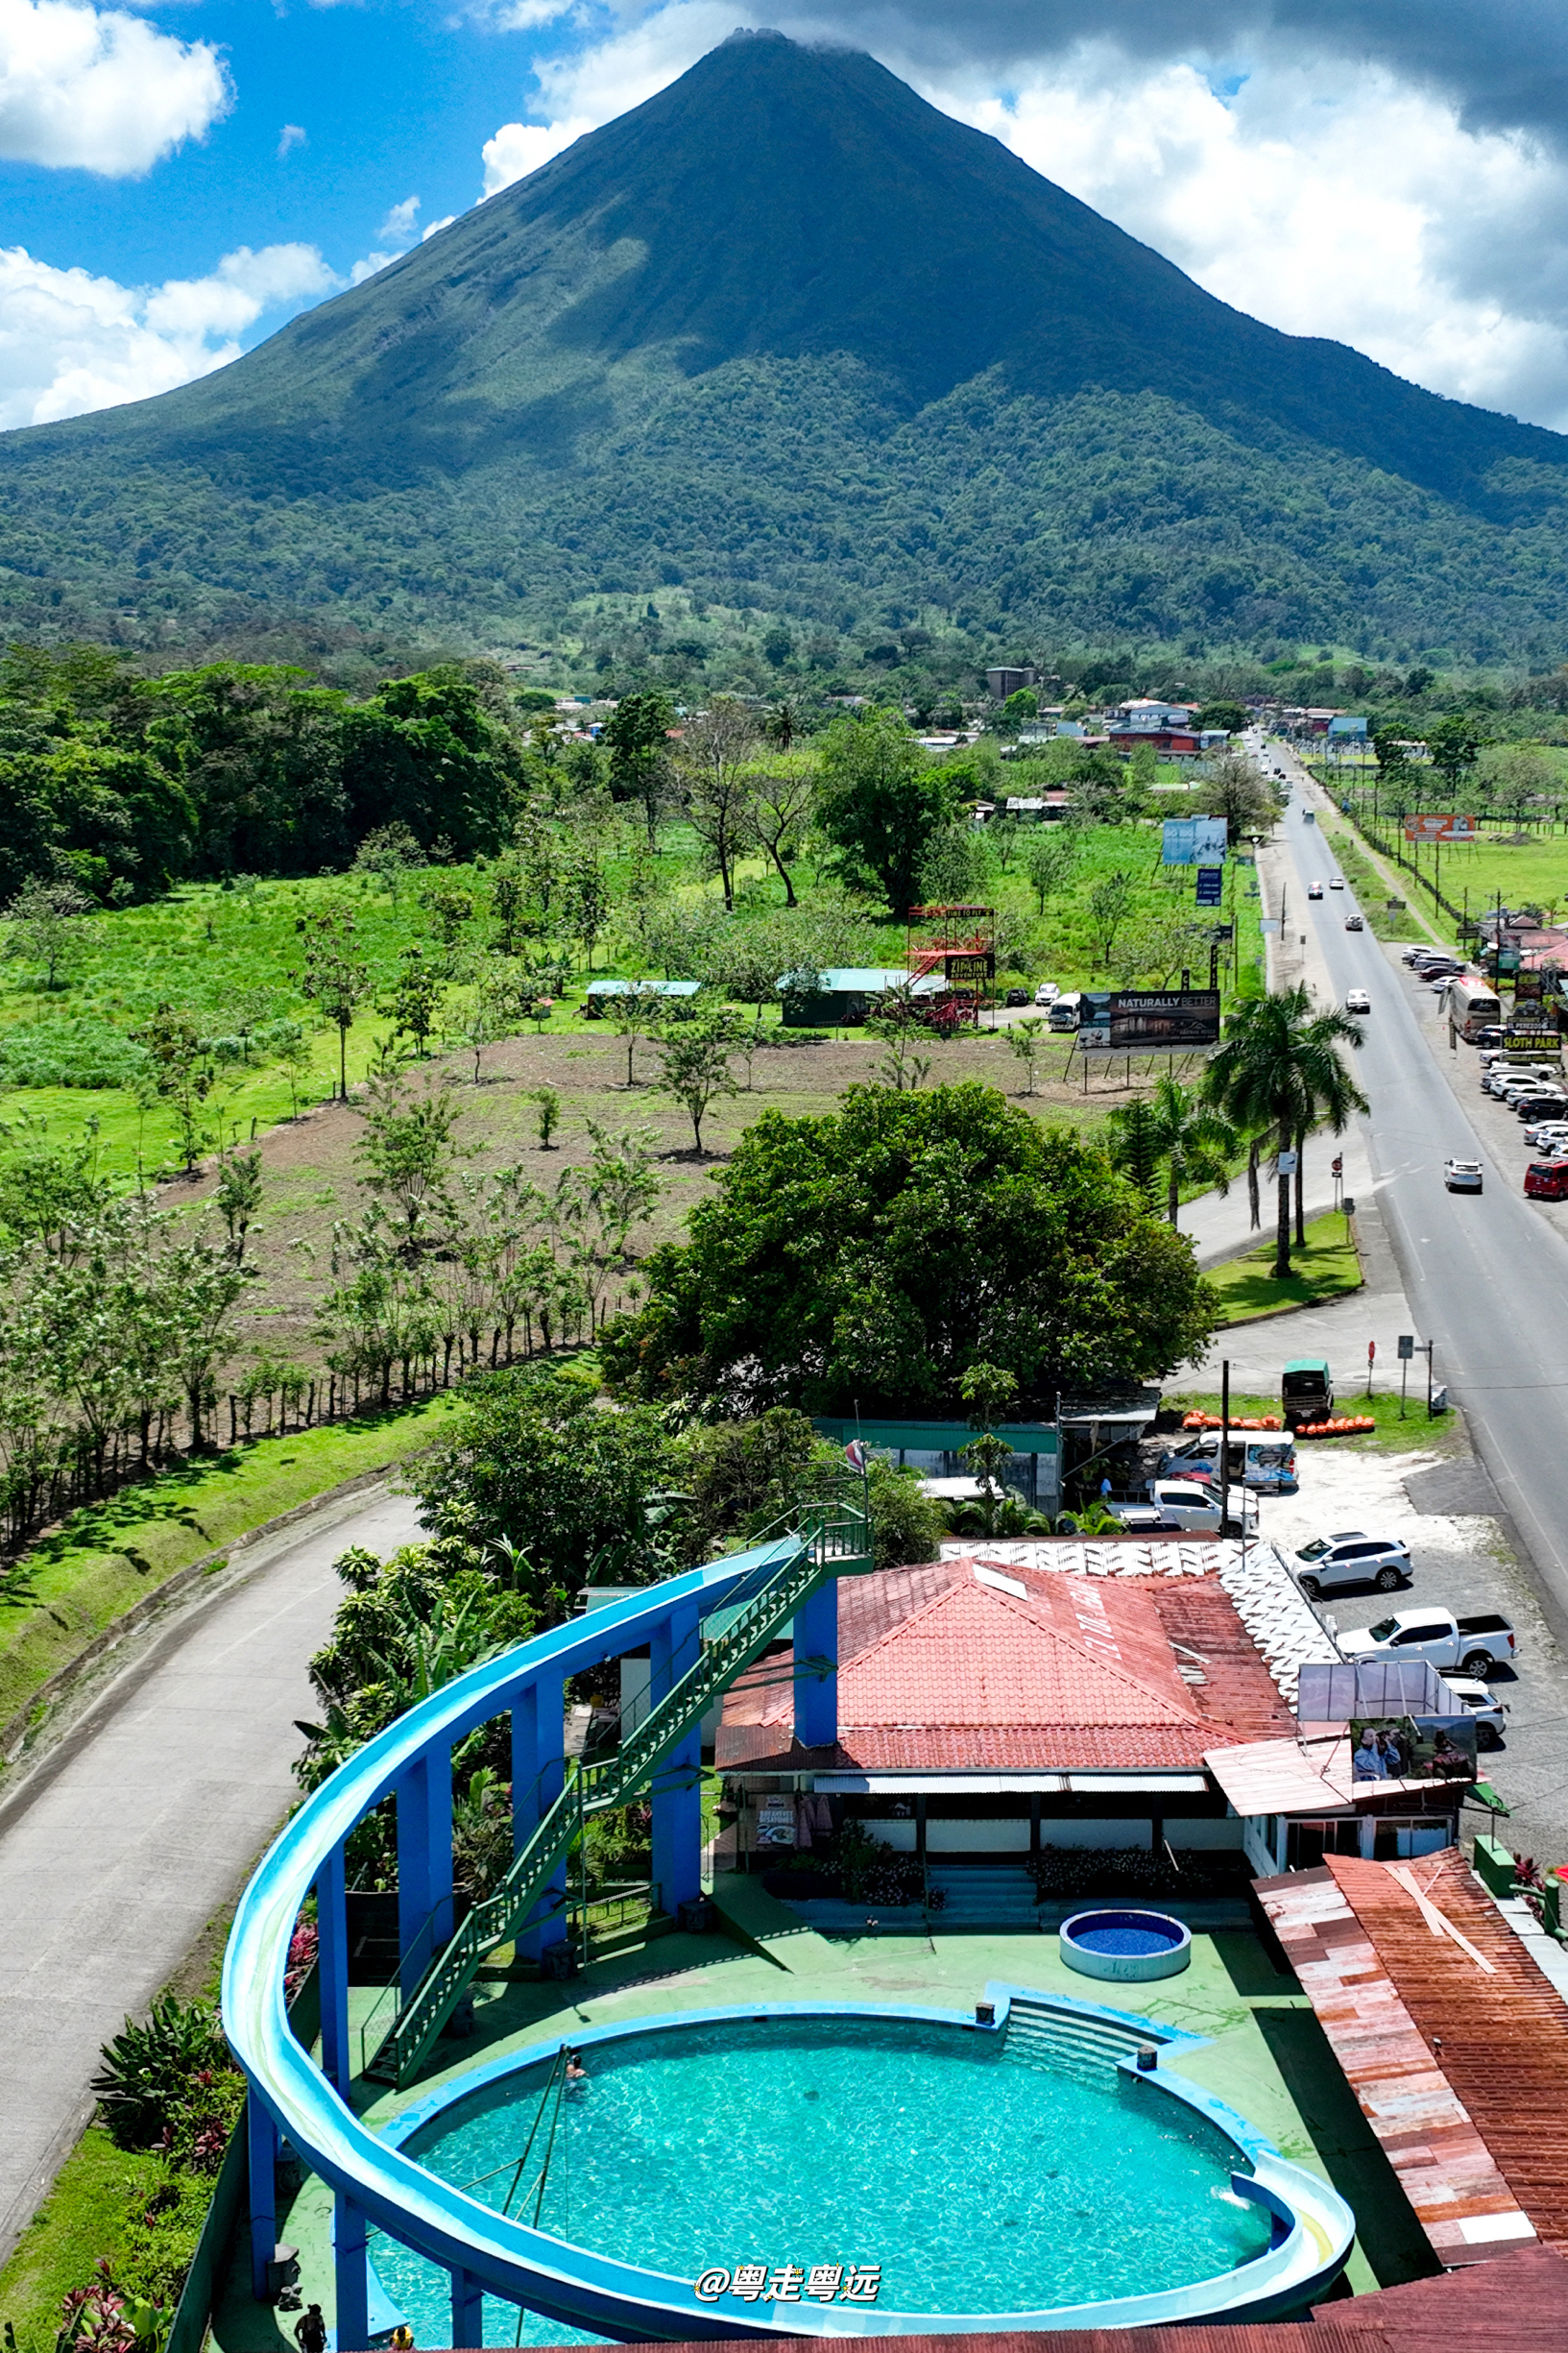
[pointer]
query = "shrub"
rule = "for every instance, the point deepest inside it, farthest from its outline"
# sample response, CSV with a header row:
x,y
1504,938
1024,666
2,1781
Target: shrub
x,y
149,2070
81,1052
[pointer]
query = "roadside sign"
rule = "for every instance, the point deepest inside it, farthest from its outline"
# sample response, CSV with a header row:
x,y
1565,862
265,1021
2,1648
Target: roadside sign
x,y
1211,886
1407,1345
1193,841
1287,1162
1439,829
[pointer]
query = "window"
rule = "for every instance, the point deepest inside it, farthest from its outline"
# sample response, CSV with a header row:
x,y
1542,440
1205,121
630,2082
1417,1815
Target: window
x,y
1396,1841
1306,1843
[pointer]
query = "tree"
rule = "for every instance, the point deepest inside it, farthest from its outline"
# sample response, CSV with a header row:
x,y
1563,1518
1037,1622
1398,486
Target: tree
x,y
417,997
182,1074
548,1115
712,763
1134,1147
1236,791
637,737
1280,1067
880,803
409,1155
333,975
632,1012
239,1198
1111,901
878,1251
776,817
587,894
1023,1042
1197,1145
48,928
199,1285
1392,751
694,1059
1454,746
1051,860
895,1019
1234,717
986,1390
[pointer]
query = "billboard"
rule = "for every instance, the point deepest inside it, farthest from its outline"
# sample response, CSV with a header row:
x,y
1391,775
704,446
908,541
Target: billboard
x,y
1150,1020
1211,886
1440,829
1413,1748
1193,841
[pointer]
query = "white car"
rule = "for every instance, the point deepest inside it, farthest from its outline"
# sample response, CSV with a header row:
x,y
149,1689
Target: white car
x,y
1351,1557
1478,1702
1337,881
1315,890
1357,1001
1463,1176
1182,1503
1046,993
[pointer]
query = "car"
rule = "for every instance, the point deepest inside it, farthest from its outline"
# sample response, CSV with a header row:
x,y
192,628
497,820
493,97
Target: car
x,y
1547,1135
1337,881
1475,1645
1544,1102
1046,993
1017,996
1547,1180
1357,1001
1183,1504
1315,890
1354,923
1350,1557
1463,1176
1478,1702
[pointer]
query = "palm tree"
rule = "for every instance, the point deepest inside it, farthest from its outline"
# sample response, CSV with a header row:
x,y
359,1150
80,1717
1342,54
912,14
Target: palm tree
x,y
1281,1067
1195,1142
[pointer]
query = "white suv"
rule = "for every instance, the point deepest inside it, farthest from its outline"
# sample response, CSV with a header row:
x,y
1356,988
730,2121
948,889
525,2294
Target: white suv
x,y
1350,1557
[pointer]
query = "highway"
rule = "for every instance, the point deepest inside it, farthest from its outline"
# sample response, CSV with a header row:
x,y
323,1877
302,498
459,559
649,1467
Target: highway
x,y
1486,1277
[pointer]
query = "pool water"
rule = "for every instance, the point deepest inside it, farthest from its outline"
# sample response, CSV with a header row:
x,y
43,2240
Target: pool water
x,y
981,2182
1123,1939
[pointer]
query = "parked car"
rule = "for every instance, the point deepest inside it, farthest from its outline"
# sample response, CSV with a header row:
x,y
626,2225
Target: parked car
x,y
1548,1103
1547,1180
1463,1176
1547,1135
1472,1644
1354,923
1351,1557
1357,1001
1337,881
1476,1700
1046,993
1181,1504
1017,996
1306,1390
1315,890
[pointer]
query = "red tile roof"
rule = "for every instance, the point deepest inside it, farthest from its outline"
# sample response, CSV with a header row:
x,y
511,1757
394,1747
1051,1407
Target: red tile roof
x,y
944,1670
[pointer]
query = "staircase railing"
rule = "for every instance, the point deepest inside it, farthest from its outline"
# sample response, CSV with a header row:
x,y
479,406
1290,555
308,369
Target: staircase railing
x,y
828,1534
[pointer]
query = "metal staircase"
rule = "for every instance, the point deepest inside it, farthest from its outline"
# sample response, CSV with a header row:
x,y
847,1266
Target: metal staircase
x,y
830,1540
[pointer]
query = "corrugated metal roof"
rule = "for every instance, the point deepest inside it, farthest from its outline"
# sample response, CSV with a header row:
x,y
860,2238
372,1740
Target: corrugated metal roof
x,y
1275,1777
1461,2070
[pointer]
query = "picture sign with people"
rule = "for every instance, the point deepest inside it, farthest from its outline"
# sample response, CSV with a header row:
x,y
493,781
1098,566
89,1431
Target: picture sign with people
x,y
1413,1748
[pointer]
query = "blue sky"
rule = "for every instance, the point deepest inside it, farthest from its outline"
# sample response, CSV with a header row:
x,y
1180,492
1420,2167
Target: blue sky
x,y
177,179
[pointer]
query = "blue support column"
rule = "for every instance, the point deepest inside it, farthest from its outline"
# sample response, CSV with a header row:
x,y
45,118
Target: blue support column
x,y
538,1772
261,2157
468,2309
677,1790
332,1971
424,1864
351,2276
816,1636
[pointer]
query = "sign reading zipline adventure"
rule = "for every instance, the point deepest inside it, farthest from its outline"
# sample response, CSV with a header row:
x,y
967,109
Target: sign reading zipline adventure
x,y
1440,829
1193,841
1148,1020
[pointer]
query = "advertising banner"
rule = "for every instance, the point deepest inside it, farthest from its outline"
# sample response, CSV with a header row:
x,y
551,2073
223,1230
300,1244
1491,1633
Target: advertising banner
x,y
1193,841
1211,885
1150,1020
1439,829
1413,1748
1526,988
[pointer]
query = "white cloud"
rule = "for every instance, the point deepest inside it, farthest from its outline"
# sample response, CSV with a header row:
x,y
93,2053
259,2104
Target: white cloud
x,y
290,136
70,342
436,226
520,148
398,225
100,90
369,265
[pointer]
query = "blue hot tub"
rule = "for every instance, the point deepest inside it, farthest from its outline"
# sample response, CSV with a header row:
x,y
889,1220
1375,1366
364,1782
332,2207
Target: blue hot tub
x,y
1116,1941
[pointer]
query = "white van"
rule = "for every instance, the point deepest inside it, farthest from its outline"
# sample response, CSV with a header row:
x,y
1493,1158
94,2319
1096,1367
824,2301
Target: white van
x,y
1067,1012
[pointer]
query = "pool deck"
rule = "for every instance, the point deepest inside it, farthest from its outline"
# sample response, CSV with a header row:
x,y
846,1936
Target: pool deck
x,y
1265,2053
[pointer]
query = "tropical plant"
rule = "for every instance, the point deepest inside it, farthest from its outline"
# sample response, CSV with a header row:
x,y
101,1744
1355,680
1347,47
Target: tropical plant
x,y
695,1065
1281,1068
148,2067
1195,1142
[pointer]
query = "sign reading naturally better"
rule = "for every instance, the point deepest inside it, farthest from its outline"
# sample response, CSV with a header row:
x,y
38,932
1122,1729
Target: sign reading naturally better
x,y
1150,1020
1193,841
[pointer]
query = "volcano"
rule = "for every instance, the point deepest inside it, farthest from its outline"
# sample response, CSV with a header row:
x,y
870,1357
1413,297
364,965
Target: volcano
x,y
794,339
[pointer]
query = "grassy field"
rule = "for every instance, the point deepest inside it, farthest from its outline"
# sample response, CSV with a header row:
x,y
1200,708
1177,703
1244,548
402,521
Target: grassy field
x,y
106,1558
82,2218
1413,1433
1324,1270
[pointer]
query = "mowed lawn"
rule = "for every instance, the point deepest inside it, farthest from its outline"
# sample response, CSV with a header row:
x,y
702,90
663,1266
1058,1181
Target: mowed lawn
x,y
1325,1268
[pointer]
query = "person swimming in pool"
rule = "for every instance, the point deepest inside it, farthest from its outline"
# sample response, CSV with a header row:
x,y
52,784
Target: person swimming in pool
x,y
576,2077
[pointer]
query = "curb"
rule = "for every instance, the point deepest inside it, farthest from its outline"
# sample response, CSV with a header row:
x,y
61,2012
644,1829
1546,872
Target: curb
x,y
15,1733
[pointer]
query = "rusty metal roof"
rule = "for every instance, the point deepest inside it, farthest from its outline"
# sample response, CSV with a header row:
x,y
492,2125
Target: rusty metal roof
x,y
1454,2042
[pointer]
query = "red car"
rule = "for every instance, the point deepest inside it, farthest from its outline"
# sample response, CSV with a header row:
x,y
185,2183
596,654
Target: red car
x,y
1547,1180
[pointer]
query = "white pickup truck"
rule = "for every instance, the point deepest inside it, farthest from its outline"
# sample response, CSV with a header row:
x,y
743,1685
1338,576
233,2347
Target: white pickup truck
x,y
1473,1645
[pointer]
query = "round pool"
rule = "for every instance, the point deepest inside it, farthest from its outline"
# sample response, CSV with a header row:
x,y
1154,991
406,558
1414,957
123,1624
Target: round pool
x,y
1120,1943
974,2178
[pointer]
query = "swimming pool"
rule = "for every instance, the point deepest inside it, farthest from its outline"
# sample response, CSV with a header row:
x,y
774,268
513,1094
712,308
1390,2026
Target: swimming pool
x,y
976,2178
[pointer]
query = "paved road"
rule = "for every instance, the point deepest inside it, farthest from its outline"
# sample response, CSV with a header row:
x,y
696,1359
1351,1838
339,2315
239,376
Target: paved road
x,y
143,1824
1486,1280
